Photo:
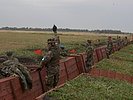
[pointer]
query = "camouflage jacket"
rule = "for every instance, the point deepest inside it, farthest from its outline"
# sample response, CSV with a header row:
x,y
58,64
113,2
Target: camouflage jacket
x,y
89,48
109,45
52,57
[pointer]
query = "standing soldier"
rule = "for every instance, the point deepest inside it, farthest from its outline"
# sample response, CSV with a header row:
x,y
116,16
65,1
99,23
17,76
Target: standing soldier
x,y
13,67
55,29
109,46
89,52
119,42
57,40
51,62
125,41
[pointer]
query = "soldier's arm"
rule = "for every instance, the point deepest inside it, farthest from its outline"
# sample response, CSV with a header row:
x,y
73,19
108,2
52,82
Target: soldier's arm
x,y
46,59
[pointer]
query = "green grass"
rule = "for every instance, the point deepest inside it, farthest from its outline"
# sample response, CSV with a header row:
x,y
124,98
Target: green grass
x,y
28,41
88,88
120,61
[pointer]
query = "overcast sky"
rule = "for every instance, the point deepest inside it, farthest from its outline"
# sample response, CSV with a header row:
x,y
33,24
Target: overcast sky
x,y
82,14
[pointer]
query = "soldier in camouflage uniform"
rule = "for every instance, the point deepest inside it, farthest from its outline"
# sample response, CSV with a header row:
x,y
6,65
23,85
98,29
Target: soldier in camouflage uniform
x,y
125,41
109,46
57,40
63,51
51,62
55,29
89,52
119,42
13,67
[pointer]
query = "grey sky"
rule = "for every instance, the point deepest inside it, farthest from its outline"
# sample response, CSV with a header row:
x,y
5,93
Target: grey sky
x,y
83,14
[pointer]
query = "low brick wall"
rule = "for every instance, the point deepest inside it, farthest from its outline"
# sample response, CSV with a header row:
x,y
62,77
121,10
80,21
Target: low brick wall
x,y
111,74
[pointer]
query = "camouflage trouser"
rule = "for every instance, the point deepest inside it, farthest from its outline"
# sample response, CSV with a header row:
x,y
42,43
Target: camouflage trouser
x,y
108,52
26,73
89,60
52,76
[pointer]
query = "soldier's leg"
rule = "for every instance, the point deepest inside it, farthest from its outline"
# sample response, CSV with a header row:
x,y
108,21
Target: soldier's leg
x,y
110,51
87,61
56,77
49,81
91,60
107,53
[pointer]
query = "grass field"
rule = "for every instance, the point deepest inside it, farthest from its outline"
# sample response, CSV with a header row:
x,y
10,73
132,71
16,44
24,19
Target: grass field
x,y
88,88
120,61
23,41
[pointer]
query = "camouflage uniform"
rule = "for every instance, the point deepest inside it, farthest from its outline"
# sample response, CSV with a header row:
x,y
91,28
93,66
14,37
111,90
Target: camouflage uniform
x,y
125,41
61,47
51,61
89,52
13,67
109,47
57,40
119,42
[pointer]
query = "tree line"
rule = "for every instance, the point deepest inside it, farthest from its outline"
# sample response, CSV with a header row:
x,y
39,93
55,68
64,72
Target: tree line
x,y
64,30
